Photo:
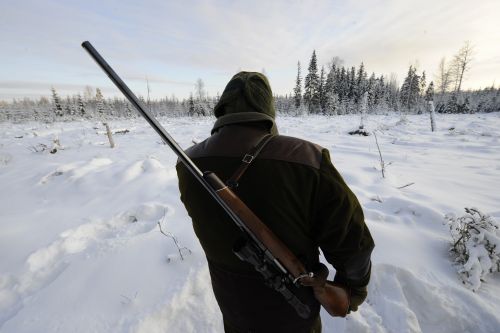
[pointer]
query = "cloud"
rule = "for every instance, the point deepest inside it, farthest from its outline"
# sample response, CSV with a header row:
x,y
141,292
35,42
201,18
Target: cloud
x,y
32,89
30,85
173,43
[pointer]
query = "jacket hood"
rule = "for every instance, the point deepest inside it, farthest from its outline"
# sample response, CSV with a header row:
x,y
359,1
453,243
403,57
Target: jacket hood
x,y
246,98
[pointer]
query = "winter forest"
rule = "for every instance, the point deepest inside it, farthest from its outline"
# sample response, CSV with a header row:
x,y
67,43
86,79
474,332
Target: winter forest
x,y
335,89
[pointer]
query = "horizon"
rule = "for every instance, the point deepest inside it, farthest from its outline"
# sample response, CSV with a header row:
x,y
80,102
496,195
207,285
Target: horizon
x,y
173,45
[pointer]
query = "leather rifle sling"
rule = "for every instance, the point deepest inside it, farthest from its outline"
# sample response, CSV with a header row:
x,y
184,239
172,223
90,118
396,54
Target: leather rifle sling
x,y
247,160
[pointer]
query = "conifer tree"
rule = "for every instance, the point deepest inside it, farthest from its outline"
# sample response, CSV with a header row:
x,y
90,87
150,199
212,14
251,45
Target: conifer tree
x,y
465,107
330,86
379,91
297,91
343,84
423,84
56,101
311,85
128,111
331,103
101,107
69,109
370,90
81,106
429,93
360,87
100,102
321,90
334,74
451,104
352,83
191,110
410,90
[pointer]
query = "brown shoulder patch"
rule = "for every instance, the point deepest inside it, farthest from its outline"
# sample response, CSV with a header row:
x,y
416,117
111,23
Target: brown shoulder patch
x,y
295,150
235,141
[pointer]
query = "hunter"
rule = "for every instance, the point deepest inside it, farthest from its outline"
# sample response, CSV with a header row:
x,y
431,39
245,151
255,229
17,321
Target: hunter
x,y
293,187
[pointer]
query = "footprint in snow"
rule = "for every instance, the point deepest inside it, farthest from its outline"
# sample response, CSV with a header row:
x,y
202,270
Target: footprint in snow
x,y
148,165
78,170
95,237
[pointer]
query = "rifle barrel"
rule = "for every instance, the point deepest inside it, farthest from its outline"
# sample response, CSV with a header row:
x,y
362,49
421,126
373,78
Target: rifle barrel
x,y
141,109
193,169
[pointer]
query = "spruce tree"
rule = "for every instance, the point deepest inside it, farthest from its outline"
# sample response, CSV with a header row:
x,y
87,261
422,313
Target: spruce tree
x,y
101,108
81,106
451,104
100,102
423,84
429,93
410,90
68,108
361,83
370,89
343,84
465,106
379,91
56,101
311,85
330,83
191,110
321,90
352,83
298,88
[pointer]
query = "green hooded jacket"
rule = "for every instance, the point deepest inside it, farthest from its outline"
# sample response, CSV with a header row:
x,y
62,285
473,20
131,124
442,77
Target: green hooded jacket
x,y
295,190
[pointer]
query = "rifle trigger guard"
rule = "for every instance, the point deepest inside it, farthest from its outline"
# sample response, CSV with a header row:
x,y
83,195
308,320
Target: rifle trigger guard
x,y
310,274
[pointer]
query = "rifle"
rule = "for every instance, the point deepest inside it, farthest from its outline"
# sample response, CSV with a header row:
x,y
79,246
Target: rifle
x,y
280,268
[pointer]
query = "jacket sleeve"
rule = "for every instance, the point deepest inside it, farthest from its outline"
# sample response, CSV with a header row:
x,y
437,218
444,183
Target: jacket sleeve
x,y
341,231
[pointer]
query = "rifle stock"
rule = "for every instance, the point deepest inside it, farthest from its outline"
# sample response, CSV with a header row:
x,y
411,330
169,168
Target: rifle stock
x,y
333,297
279,260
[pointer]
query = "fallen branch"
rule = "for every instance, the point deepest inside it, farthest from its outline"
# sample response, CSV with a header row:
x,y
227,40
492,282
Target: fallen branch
x,y
409,184
382,163
176,242
38,148
359,131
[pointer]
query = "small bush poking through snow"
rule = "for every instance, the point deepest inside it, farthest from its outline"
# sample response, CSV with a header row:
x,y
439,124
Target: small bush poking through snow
x,y
476,245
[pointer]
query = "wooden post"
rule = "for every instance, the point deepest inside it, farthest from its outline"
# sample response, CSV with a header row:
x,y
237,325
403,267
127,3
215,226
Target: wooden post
x,y
433,115
110,135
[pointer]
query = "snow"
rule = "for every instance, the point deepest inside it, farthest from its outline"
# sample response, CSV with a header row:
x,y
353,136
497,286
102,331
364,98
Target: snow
x,y
81,251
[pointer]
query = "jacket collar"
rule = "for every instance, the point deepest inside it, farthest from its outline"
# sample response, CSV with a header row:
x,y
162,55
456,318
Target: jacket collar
x,y
244,117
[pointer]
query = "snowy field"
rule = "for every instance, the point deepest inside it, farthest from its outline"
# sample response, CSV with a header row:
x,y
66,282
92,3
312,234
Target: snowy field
x,y
81,251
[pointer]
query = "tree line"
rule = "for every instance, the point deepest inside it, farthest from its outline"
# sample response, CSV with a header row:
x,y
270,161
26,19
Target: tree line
x,y
92,105
337,89
332,90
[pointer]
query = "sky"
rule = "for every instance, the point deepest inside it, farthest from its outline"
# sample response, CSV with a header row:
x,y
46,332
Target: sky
x,y
171,44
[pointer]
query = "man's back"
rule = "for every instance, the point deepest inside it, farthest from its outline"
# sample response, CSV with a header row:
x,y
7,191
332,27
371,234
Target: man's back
x,y
294,189
286,186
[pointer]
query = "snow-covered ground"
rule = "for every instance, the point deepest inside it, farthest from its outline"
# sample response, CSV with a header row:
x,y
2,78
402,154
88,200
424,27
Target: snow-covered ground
x,y
81,251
